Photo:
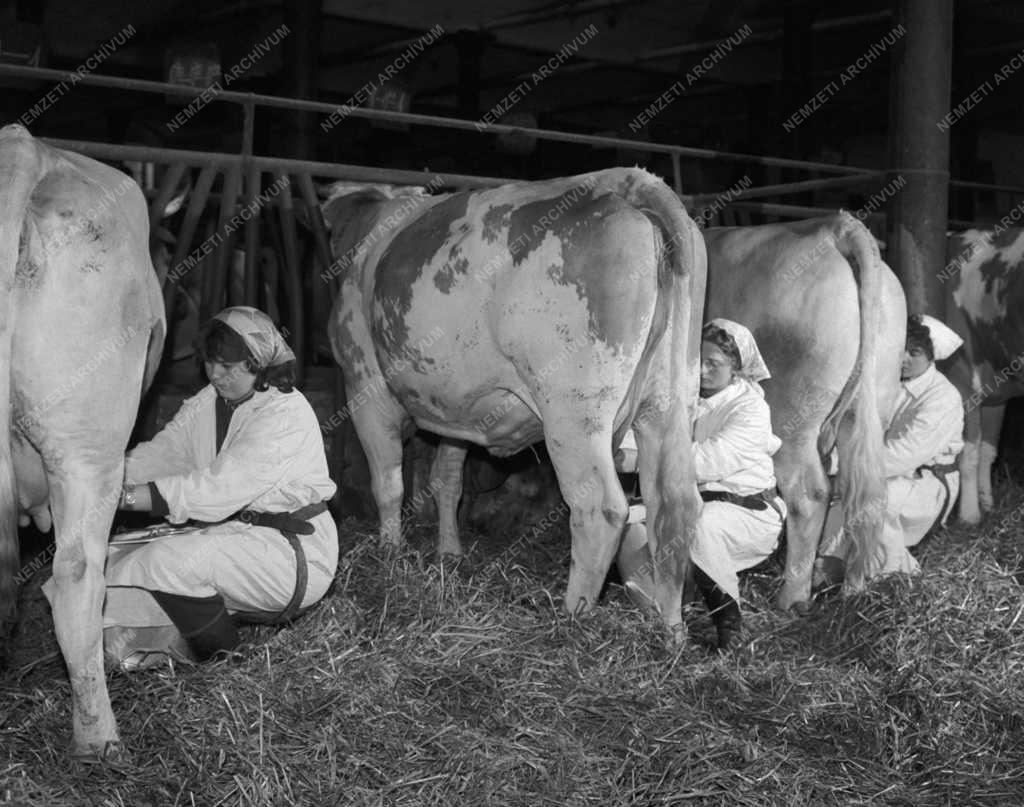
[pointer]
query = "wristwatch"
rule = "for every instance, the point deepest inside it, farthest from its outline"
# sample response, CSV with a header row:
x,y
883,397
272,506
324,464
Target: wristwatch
x,y
129,496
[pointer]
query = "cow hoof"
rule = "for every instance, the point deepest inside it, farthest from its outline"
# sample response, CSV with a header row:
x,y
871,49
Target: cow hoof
x,y
676,638
854,585
111,753
802,607
390,547
788,600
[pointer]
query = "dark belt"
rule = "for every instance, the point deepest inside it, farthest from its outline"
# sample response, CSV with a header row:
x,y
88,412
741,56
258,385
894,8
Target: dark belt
x,y
941,472
755,501
291,526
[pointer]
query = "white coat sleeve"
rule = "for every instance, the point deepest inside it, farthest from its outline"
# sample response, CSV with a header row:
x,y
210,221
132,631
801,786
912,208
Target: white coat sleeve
x,y
169,452
744,438
257,460
934,425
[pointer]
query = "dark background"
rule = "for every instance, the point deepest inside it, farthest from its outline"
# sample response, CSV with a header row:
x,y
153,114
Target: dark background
x,y
641,47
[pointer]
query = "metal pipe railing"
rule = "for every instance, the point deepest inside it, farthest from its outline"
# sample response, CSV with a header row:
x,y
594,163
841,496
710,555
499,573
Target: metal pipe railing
x,y
278,102
356,173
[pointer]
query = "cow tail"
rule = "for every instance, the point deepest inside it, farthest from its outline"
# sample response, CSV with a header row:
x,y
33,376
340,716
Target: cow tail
x,y
854,425
682,277
22,165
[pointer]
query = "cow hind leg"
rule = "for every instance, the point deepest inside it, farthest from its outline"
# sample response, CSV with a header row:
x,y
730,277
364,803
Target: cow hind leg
x,y
805,489
83,502
379,425
969,509
597,511
446,485
991,425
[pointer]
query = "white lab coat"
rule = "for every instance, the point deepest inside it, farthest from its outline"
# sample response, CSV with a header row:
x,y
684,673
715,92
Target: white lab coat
x,y
733,448
272,460
926,429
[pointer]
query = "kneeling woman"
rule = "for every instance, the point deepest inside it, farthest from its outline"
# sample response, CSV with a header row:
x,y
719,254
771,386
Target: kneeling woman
x,y
733,446
242,462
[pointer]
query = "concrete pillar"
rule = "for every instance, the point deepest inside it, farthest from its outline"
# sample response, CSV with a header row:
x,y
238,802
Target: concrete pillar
x,y
919,150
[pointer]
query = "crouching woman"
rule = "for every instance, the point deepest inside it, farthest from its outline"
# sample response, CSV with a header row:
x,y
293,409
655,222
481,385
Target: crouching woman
x,y
742,516
242,465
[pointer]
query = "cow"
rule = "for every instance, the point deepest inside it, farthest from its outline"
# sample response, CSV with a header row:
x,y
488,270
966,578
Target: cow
x,y
830,319
983,287
81,332
562,310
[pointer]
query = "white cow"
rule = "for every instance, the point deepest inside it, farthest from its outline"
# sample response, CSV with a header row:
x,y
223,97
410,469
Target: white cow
x,y
81,331
562,310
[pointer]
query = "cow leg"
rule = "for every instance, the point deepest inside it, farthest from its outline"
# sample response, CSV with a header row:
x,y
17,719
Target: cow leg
x,y
597,510
379,425
805,489
991,425
446,484
969,510
83,503
671,513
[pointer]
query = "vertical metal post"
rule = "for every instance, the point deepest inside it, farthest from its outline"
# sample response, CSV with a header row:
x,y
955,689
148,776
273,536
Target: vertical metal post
x,y
251,179
922,61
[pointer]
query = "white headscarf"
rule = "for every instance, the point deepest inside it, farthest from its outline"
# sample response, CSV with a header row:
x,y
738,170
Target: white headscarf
x,y
259,333
945,340
752,366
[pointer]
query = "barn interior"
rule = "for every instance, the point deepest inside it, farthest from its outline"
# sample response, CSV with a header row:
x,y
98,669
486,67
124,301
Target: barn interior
x,y
635,51
422,683
781,79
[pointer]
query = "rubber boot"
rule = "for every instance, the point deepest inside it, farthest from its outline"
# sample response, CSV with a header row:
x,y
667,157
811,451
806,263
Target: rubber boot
x,y
203,621
723,609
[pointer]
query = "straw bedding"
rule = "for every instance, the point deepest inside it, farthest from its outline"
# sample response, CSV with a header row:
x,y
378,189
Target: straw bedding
x,y
420,683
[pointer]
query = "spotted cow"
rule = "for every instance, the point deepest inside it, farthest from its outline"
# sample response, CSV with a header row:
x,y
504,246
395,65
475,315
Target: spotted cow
x,y
81,328
562,310
983,285
830,319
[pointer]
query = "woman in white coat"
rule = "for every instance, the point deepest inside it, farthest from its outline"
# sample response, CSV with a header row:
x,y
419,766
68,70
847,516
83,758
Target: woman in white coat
x,y
242,466
742,516
921,447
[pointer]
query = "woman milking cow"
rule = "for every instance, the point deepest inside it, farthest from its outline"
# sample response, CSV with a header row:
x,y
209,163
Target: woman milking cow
x,y
922,443
742,517
242,469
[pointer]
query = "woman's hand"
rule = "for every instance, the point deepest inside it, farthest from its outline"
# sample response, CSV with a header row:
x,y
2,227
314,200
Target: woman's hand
x,y
135,498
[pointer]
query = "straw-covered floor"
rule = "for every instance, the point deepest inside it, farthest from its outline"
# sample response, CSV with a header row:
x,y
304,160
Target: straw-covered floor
x,y
420,684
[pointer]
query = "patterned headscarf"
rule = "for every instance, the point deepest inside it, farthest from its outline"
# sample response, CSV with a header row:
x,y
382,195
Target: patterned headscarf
x,y
259,333
753,367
